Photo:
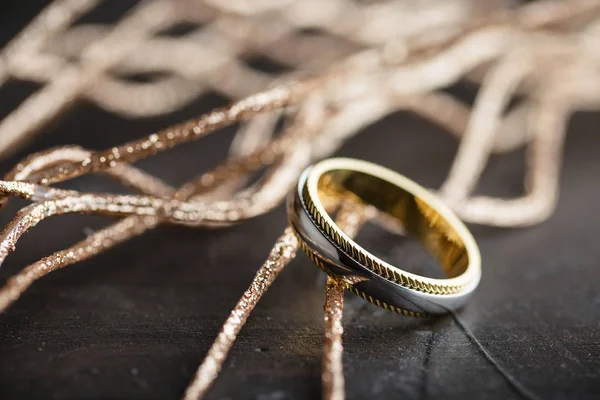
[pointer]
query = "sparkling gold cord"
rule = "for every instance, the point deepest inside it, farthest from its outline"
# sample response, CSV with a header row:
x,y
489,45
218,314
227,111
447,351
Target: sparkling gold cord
x,y
350,218
544,52
282,253
332,375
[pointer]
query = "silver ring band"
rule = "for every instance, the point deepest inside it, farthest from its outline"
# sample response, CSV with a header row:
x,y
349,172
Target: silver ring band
x,y
421,213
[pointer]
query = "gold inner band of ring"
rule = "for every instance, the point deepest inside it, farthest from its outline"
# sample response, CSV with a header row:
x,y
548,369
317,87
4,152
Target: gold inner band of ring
x,y
420,212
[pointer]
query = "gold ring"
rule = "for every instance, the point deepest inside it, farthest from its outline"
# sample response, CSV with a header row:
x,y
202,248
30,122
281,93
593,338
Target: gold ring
x,y
420,212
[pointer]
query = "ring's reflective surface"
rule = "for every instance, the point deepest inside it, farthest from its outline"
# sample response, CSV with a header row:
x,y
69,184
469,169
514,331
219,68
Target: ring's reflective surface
x,y
332,181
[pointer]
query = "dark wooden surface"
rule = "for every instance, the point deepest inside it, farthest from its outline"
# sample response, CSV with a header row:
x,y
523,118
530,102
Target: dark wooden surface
x,y
135,322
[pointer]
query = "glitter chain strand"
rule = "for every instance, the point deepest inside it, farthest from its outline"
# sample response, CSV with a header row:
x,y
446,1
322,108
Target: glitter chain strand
x,y
349,219
282,253
543,54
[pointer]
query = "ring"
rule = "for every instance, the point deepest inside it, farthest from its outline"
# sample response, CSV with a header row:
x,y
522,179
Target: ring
x,y
421,214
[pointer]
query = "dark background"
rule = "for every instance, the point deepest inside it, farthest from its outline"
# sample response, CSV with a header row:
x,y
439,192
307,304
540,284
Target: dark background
x,y
136,321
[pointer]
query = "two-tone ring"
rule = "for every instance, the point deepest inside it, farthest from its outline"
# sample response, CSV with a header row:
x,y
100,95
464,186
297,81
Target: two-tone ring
x,y
421,214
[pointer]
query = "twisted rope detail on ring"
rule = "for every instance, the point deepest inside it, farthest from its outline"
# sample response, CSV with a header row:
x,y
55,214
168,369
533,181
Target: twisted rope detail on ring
x,y
368,262
546,135
314,257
